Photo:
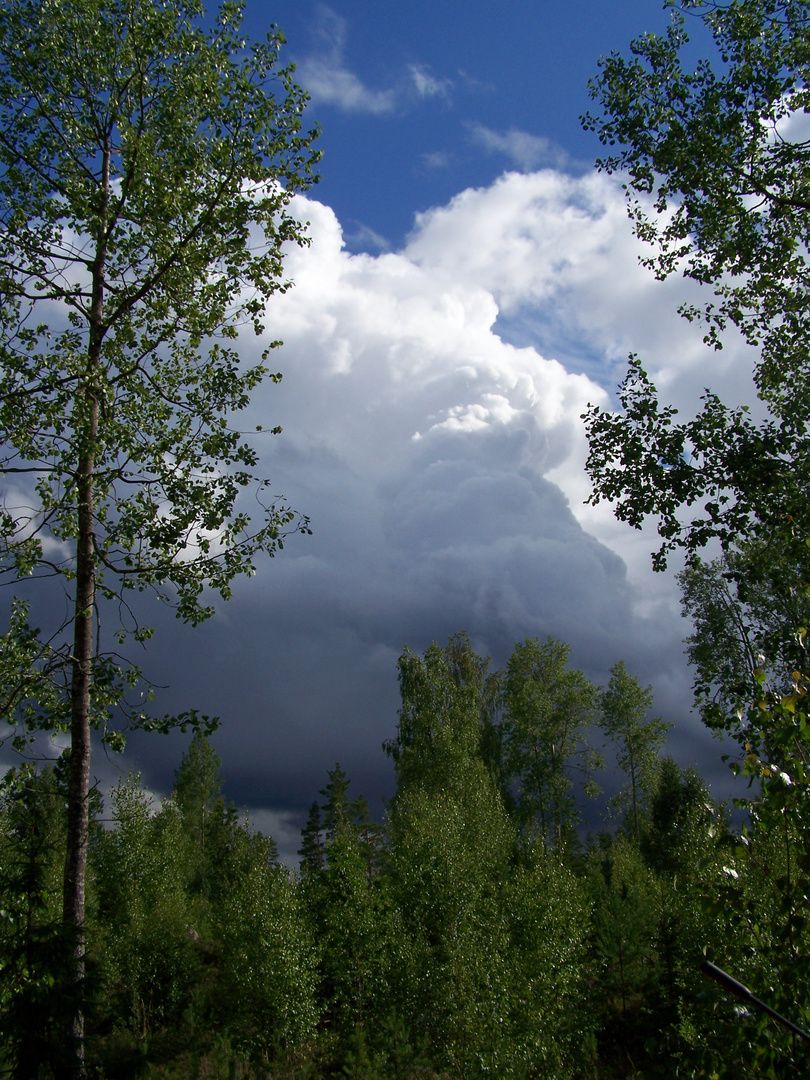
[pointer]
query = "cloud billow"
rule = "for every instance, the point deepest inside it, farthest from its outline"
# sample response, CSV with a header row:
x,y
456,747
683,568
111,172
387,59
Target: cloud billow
x,y
442,468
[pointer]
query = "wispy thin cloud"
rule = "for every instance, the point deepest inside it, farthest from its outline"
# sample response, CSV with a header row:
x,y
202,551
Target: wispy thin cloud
x,y
436,159
426,86
363,237
473,85
331,84
522,149
330,81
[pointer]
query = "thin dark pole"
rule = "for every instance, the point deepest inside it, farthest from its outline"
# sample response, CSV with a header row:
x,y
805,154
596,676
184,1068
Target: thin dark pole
x,y
744,994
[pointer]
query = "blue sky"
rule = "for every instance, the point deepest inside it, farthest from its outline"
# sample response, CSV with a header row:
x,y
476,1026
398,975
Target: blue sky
x,y
472,284
419,101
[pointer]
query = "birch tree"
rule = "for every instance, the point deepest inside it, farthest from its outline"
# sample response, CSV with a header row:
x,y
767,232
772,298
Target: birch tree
x,y
148,157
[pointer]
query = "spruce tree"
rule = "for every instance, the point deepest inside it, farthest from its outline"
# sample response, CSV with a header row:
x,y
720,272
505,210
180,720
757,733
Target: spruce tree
x,y
312,851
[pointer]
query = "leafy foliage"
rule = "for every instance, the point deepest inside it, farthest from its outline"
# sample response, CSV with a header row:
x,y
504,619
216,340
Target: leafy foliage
x,y
268,994
34,950
147,167
716,162
146,911
719,152
548,710
749,611
452,947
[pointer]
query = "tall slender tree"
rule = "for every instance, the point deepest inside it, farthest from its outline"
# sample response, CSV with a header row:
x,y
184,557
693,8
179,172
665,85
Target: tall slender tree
x,y
440,722
451,842
147,162
548,709
636,736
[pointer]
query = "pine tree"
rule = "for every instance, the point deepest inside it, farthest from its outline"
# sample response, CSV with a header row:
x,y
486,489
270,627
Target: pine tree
x,y
312,851
336,806
369,834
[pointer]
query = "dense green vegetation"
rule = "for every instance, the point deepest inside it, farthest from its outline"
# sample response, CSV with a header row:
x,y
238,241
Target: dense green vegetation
x,y
468,934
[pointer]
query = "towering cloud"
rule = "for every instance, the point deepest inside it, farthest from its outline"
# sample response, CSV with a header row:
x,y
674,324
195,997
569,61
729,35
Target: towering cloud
x,y
440,456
